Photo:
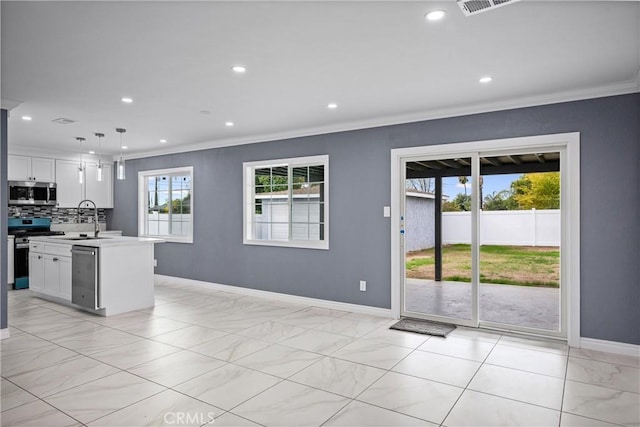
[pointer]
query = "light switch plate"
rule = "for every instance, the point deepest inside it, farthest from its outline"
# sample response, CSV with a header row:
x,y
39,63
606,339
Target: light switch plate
x,y
387,211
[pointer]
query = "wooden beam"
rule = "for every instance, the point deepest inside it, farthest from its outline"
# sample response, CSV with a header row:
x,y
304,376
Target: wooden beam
x,y
515,160
491,161
447,164
428,165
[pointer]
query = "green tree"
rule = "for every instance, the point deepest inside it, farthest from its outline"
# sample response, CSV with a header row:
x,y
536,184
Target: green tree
x,y
500,201
462,202
537,190
463,180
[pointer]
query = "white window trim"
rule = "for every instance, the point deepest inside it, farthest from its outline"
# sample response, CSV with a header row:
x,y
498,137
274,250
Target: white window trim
x,y
247,190
142,202
570,207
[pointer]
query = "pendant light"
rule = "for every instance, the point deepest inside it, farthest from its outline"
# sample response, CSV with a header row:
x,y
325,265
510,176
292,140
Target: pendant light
x,y
99,172
81,165
120,172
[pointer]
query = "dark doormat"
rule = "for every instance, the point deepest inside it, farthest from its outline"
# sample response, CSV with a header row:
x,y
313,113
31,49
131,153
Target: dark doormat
x,y
426,327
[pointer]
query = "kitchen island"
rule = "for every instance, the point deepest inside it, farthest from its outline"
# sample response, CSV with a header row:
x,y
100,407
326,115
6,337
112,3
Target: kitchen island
x,y
122,271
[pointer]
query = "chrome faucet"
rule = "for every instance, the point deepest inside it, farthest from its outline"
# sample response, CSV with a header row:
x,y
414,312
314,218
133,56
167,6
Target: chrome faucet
x,y
96,226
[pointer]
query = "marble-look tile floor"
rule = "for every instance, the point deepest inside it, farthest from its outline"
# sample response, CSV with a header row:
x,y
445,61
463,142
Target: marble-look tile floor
x,y
202,355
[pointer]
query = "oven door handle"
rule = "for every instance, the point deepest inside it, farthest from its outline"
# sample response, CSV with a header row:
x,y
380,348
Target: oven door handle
x,y
22,245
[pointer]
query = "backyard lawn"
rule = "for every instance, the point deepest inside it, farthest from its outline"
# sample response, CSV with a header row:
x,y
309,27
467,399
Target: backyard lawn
x,y
511,265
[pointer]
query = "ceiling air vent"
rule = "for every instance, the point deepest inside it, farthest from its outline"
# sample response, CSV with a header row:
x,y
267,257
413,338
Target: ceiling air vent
x,y
63,121
472,7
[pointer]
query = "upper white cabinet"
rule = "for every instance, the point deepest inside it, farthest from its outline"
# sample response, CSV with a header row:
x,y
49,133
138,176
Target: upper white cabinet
x,y
101,192
71,192
24,168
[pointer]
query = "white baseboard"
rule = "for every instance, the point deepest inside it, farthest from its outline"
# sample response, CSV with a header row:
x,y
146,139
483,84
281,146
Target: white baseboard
x,y
295,299
610,346
4,333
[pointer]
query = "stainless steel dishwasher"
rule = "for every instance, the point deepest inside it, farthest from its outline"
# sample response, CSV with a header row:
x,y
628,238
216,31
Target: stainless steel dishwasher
x,y
85,276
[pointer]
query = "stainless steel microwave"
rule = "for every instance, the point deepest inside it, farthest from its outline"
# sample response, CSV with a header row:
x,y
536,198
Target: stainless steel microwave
x,y
32,193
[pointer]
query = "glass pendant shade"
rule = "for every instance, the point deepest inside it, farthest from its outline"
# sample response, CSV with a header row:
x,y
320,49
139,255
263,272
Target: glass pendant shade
x,y
99,175
120,171
99,171
81,165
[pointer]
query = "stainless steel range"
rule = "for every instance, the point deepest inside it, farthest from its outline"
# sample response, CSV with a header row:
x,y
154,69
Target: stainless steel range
x,y
22,229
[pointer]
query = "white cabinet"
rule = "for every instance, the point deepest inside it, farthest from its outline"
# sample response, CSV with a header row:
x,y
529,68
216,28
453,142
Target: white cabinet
x,y
57,276
24,168
50,269
36,272
64,277
101,192
71,192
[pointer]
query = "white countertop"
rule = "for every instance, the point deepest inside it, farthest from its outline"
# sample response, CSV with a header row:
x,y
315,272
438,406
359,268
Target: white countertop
x,y
102,241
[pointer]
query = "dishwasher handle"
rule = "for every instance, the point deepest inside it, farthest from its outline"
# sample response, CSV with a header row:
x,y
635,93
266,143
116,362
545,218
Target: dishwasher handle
x,y
83,252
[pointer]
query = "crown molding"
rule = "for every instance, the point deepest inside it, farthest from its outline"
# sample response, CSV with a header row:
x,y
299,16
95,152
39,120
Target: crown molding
x,y
621,88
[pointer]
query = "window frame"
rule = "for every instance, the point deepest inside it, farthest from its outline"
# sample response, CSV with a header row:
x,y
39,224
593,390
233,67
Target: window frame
x,y
143,202
248,197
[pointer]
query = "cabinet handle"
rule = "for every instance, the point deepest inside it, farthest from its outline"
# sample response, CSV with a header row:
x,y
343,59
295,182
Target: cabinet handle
x,y
39,256
55,259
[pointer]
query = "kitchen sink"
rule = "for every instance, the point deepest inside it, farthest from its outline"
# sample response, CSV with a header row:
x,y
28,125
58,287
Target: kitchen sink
x,y
83,238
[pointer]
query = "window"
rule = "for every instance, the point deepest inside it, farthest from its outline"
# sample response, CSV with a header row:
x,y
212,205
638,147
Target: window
x,y
286,202
166,204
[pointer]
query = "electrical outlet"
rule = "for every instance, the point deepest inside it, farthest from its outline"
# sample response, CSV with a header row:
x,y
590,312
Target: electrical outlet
x,y
363,285
155,262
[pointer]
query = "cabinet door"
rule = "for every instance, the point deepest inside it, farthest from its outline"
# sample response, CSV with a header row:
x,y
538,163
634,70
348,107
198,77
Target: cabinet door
x,y
51,275
36,272
19,168
64,277
70,192
42,169
101,192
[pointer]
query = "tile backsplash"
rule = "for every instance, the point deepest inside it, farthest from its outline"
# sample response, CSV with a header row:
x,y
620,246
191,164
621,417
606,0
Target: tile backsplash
x,y
57,215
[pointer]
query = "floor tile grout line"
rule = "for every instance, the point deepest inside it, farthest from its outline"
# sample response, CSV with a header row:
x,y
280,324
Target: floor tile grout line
x,y
466,387
43,401
332,354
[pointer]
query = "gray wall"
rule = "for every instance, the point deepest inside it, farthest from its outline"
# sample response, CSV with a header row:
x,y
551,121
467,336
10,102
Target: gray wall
x,y
3,218
359,234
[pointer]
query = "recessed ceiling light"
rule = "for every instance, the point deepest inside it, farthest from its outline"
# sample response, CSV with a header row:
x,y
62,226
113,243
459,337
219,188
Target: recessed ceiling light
x,y
229,124
239,69
124,147
26,118
485,79
92,152
127,100
332,106
163,141
435,15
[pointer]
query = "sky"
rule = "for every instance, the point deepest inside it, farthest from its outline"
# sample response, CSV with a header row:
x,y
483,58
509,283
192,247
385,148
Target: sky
x,y
451,186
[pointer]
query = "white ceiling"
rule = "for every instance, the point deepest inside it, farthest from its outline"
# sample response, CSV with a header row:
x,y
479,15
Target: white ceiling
x,y
381,62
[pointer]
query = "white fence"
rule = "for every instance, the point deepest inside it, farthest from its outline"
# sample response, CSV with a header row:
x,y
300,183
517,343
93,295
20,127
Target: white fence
x,y
158,224
518,228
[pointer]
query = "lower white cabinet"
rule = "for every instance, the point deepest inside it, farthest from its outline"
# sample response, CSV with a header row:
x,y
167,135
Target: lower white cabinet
x,y
57,276
50,269
36,271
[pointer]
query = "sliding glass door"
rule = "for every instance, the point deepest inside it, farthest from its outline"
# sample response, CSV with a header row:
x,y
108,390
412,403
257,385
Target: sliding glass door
x,y
480,236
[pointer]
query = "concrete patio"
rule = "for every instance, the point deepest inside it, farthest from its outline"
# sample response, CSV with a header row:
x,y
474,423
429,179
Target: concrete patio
x,y
533,307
